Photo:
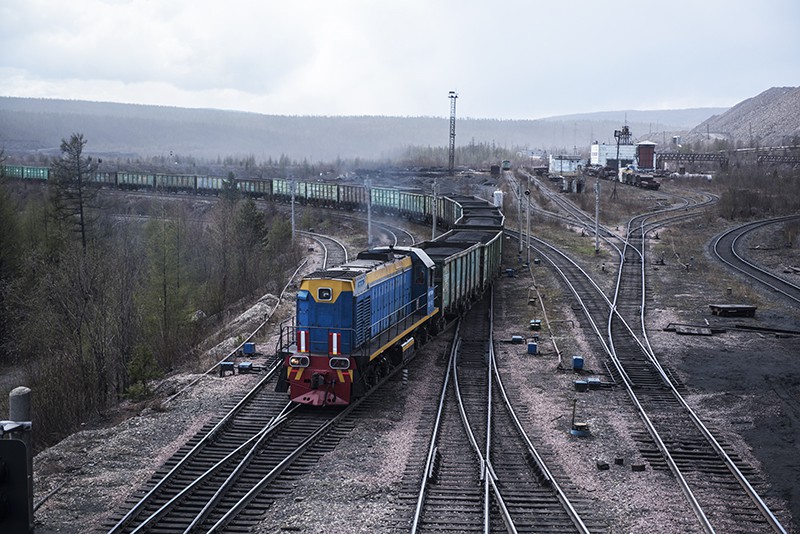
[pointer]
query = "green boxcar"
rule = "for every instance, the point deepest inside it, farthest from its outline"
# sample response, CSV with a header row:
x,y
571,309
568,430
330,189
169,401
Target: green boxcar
x,y
413,205
35,173
255,187
175,182
457,272
281,188
209,184
13,171
385,200
321,194
104,178
135,180
352,196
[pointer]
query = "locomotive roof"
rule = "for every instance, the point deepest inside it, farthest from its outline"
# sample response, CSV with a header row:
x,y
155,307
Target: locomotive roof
x,y
418,252
354,268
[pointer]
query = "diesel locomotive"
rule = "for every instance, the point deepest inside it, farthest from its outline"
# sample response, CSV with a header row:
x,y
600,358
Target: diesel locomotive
x,y
357,321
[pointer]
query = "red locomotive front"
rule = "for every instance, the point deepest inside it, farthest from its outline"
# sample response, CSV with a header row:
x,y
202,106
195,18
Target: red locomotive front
x,y
318,379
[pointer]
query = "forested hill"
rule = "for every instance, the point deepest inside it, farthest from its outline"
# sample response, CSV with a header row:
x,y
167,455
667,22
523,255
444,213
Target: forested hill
x,y
37,126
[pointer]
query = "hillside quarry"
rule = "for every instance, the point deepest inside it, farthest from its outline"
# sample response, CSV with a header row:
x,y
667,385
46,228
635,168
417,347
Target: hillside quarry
x,y
771,118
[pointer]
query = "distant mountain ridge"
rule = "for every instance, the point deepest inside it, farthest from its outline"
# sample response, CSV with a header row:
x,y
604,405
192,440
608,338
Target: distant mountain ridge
x,y
685,119
37,126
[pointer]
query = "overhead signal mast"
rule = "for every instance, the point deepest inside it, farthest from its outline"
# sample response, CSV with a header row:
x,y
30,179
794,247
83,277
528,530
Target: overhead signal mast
x,y
453,96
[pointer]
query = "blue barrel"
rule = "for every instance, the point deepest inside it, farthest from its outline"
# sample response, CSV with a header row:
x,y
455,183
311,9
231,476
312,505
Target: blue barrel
x,y
577,362
532,347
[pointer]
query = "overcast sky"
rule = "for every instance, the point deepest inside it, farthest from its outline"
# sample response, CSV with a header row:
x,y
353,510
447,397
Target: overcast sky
x,y
507,59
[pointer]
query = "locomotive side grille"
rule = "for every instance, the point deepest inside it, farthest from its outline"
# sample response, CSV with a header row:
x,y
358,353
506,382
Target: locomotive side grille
x,y
363,313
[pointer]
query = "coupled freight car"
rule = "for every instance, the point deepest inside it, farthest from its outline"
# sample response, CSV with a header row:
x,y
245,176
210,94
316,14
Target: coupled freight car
x,y
385,200
357,321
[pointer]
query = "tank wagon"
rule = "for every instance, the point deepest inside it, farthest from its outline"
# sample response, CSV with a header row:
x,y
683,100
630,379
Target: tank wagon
x,y
357,321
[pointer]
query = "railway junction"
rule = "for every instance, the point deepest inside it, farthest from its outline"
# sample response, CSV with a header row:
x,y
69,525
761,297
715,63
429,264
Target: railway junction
x,y
740,384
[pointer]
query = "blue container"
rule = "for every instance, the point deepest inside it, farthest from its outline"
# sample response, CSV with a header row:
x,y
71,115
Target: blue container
x,y
581,385
249,348
532,347
577,363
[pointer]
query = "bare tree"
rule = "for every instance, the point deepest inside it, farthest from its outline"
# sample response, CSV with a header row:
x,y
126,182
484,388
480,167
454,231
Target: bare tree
x,y
72,177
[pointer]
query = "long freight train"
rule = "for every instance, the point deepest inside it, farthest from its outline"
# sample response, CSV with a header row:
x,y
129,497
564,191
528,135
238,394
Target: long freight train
x,y
390,201
357,321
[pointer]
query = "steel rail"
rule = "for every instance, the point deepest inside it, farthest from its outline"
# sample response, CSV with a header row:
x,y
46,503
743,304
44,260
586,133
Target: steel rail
x,y
276,471
210,435
683,484
609,350
250,445
388,227
540,463
429,462
707,434
319,238
744,230
243,464
488,475
498,497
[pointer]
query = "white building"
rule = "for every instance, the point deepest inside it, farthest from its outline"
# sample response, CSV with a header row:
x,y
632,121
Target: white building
x,y
606,155
565,165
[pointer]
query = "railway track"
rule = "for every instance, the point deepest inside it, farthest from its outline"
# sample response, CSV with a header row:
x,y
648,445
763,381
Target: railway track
x,y
728,248
334,252
674,438
231,472
503,483
386,234
704,466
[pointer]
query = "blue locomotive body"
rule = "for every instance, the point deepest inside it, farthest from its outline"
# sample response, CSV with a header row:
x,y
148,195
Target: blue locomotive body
x,y
354,321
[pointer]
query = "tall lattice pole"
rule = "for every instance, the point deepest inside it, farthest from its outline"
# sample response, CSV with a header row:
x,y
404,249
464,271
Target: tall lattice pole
x,y
452,162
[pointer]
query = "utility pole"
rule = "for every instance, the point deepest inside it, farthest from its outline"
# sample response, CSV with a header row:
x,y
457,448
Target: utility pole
x,y
528,224
452,161
368,185
597,215
292,186
519,217
434,210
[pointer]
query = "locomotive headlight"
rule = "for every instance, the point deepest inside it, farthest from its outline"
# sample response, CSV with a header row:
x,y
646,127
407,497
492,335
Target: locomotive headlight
x,y
339,363
299,361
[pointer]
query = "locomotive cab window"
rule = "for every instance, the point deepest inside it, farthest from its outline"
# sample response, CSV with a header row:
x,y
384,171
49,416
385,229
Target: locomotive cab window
x,y
324,293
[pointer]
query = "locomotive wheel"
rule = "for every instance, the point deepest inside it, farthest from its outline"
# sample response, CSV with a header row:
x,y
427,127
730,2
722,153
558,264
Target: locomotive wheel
x,y
421,336
396,355
383,368
370,377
